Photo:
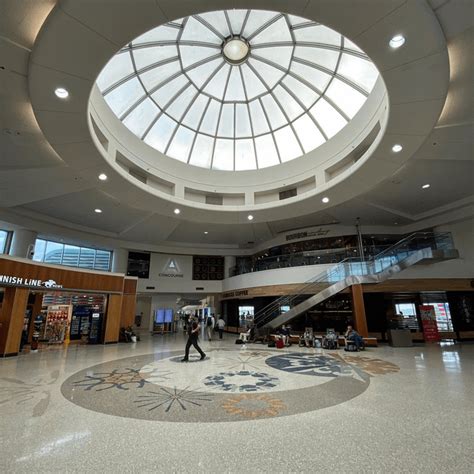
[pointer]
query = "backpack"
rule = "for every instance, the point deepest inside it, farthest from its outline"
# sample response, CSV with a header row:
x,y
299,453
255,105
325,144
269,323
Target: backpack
x,y
209,322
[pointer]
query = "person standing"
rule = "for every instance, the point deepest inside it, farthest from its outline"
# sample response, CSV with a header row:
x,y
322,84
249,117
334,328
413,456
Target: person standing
x,y
193,334
210,323
220,326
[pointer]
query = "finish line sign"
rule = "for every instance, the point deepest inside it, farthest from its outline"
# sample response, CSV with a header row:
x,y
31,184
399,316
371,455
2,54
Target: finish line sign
x,y
28,282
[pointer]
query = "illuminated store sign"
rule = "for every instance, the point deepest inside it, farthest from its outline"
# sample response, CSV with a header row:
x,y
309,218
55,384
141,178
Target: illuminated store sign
x,y
303,235
171,270
29,282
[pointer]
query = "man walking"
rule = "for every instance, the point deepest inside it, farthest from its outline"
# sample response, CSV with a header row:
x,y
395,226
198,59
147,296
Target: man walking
x,y
210,323
193,333
220,326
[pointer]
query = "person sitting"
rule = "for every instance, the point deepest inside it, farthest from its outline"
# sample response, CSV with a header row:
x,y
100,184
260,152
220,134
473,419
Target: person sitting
x,y
308,337
284,334
353,336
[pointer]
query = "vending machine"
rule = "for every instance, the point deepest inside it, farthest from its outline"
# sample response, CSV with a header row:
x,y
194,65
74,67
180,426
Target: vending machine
x,y
95,331
80,322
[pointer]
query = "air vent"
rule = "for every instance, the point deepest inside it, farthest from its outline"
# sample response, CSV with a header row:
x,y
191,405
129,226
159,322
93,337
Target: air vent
x,y
289,193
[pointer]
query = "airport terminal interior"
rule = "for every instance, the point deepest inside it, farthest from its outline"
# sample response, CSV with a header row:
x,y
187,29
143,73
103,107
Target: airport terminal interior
x,y
236,236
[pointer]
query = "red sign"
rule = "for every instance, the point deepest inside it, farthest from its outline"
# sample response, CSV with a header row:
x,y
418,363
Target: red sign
x,y
428,319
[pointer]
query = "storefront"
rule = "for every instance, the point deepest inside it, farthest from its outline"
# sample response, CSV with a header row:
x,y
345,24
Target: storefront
x,y
56,305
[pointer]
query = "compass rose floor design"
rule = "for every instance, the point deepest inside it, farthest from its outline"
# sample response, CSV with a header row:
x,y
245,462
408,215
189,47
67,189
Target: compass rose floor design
x,y
229,385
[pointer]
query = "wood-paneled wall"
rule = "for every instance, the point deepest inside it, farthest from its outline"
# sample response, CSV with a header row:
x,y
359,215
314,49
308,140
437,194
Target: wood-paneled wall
x,y
112,319
12,316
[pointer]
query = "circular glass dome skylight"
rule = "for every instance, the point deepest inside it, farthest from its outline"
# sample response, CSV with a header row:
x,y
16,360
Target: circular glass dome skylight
x,y
237,89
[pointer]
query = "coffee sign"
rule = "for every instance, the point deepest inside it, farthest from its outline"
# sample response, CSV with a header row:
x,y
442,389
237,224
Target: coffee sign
x,y
13,280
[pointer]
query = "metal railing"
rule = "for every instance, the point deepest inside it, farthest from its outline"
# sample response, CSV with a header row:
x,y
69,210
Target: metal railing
x,y
355,267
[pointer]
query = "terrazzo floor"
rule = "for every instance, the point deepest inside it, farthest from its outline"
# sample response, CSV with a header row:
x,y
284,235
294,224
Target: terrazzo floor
x,y
137,408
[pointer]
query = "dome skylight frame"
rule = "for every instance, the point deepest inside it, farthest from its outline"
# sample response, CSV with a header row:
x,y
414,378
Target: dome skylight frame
x,y
174,89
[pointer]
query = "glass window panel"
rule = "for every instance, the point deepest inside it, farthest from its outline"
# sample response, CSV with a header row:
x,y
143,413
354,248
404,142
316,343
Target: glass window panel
x,y
191,54
266,151
53,253
279,55
71,256
314,76
259,121
277,31
242,121
217,84
218,21
255,20
202,151
296,20
236,18
235,89
274,113
309,135
178,107
320,56
244,155
209,123
161,33
117,68
253,85
143,57
124,96
345,97
102,260
194,29
269,74
141,117
194,114
291,107
3,241
330,120
358,70
160,134
348,44
306,95
201,74
158,75
86,258
40,247
166,93
318,34
181,144
287,144
226,124
223,155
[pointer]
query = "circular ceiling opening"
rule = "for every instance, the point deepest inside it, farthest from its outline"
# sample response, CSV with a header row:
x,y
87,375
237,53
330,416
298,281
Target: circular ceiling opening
x,y
237,89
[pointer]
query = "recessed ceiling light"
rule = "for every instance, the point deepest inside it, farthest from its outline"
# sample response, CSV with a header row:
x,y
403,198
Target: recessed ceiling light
x,y
397,148
250,217
325,200
396,223
61,93
99,211
102,176
397,41
176,211
206,232
426,186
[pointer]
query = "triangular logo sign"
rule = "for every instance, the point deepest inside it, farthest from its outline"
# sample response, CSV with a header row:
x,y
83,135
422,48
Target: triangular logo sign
x,y
172,265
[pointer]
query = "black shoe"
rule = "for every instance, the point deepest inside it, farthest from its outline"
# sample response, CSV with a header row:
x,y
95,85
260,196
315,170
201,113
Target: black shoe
x,y
203,356
185,360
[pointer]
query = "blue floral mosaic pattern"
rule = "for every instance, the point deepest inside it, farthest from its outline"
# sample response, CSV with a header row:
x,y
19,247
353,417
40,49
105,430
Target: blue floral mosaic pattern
x,y
227,381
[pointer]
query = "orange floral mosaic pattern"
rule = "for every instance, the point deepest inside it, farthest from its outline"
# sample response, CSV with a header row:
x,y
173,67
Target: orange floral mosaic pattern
x,y
253,406
372,366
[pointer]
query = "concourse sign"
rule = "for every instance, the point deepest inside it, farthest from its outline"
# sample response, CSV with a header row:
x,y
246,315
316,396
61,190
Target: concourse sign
x,y
428,319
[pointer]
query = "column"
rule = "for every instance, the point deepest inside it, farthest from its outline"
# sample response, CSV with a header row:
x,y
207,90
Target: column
x,y
120,261
229,262
12,317
112,320
358,310
23,242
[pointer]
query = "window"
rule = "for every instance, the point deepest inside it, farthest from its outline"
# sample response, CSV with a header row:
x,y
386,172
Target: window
x,y
71,255
443,316
138,264
4,240
408,311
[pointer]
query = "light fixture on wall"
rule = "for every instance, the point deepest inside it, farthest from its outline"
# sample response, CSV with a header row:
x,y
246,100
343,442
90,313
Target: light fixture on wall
x,y
61,93
397,41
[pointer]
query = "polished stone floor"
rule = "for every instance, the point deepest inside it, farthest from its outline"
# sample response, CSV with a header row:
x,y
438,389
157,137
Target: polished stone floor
x,y
137,408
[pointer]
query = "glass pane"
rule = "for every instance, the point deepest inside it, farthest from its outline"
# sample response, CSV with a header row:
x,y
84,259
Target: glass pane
x,y
86,258
269,74
141,117
71,256
191,54
194,29
145,56
274,113
236,18
40,247
158,75
194,114
253,85
320,56
161,33
226,124
348,44
166,93
266,151
217,84
318,34
160,134
242,125
259,121
244,155
306,95
181,144
255,20
218,21
53,253
124,96
209,123
358,70
315,77
223,155
235,89
291,107
345,97
102,260
202,151
330,120
116,69
179,106
201,74
279,55
277,31
309,135
287,144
